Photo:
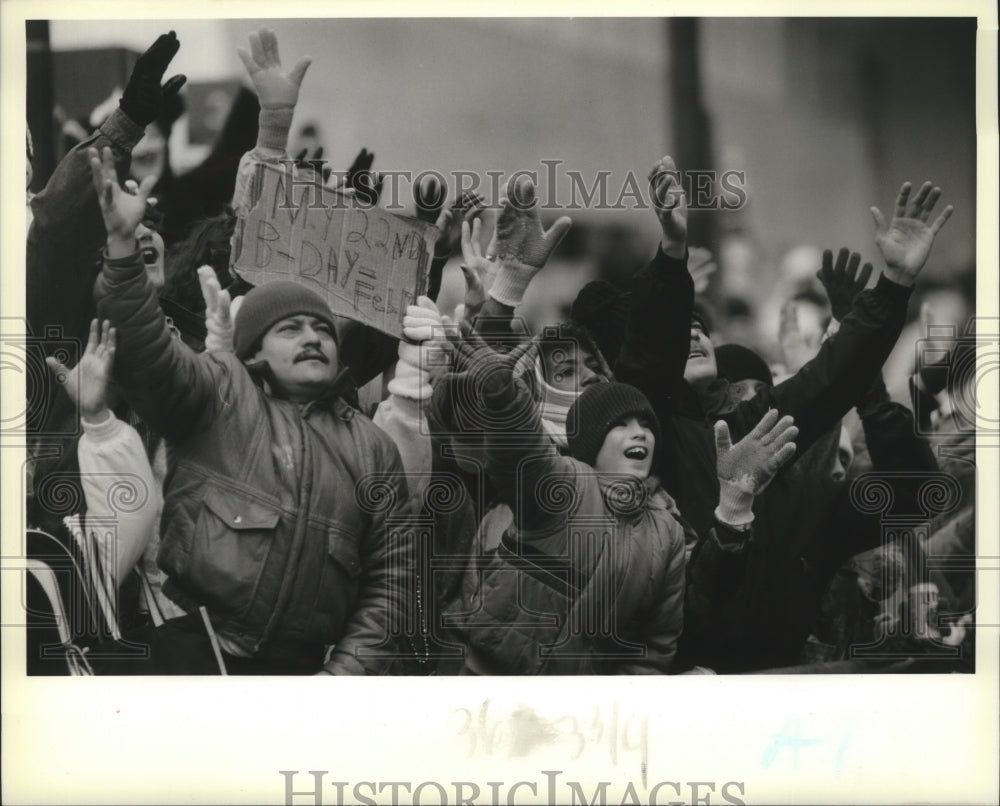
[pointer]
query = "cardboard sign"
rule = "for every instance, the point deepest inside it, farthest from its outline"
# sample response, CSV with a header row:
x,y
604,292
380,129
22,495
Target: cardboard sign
x,y
367,263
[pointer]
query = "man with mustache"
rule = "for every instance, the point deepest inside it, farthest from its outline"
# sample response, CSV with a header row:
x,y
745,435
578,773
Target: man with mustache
x,y
277,535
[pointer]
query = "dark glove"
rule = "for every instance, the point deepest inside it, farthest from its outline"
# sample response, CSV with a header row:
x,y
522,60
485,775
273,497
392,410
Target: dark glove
x,y
465,208
429,197
489,375
315,163
842,281
144,98
366,184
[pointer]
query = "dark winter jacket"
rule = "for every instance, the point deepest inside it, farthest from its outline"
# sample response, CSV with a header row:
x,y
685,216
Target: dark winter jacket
x,y
286,522
774,583
589,580
656,347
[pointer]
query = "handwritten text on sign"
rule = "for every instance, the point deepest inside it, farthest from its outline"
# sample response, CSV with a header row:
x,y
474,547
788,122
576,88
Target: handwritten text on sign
x,y
367,263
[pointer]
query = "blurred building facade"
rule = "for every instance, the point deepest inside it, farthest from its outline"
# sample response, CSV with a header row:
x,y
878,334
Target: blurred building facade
x,y
823,117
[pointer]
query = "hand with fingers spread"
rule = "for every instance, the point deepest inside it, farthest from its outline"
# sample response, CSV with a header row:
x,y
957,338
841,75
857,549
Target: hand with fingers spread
x,y
906,241
479,272
362,180
746,468
701,267
489,373
87,382
523,246
144,98
275,88
842,280
122,211
465,209
218,312
670,204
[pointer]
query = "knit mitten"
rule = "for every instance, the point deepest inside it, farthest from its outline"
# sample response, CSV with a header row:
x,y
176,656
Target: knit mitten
x,y
746,468
523,246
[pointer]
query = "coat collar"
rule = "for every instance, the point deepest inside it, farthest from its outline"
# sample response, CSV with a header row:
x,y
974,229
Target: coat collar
x,y
332,398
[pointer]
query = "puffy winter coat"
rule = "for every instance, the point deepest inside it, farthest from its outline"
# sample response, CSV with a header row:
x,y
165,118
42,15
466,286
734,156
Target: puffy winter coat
x,y
287,522
589,580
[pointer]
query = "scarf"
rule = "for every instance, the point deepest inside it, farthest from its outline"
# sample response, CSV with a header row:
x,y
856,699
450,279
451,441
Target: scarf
x,y
554,407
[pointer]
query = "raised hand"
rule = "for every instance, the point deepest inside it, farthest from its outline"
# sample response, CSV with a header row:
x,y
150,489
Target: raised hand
x,y
478,270
489,372
425,346
366,184
362,163
464,209
670,205
429,196
520,236
144,98
522,245
218,312
275,88
842,280
122,210
751,463
87,382
906,241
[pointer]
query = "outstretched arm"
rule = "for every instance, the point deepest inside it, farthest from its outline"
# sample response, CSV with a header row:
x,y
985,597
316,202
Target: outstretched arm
x,y
521,460
113,463
167,384
66,231
278,93
658,332
829,385
403,415
718,567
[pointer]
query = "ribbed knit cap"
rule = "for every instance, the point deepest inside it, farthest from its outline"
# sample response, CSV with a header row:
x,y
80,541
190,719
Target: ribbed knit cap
x,y
738,363
603,309
597,410
268,304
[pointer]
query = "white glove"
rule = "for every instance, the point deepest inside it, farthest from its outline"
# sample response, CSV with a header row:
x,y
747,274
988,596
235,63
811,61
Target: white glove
x,y
422,363
218,313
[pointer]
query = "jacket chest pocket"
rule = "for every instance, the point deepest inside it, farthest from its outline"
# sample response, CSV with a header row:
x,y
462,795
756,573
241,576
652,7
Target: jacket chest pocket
x,y
233,538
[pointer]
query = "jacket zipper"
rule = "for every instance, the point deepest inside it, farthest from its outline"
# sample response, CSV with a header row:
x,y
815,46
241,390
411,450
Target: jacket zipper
x,y
298,536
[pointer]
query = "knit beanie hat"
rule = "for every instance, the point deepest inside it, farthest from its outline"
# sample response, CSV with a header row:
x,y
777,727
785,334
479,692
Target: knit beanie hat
x,y
738,363
603,309
597,410
270,303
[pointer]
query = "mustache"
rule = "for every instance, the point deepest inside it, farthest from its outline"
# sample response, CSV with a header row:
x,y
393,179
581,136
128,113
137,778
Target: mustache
x,y
309,355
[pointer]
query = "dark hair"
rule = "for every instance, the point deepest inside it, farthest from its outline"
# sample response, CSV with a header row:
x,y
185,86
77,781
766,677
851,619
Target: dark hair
x,y
207,242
